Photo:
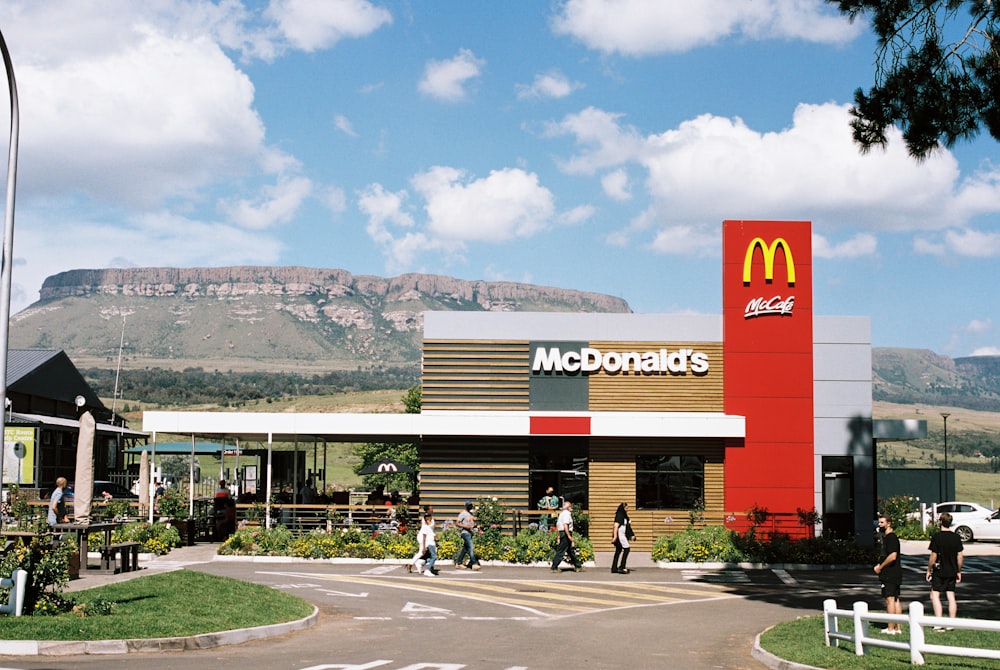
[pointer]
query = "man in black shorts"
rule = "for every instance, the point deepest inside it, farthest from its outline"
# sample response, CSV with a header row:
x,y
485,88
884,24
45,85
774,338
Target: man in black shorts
x,y
944,570
890,572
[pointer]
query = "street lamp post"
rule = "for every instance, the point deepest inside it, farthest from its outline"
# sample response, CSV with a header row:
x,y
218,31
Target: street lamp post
x,y
6,261
945,415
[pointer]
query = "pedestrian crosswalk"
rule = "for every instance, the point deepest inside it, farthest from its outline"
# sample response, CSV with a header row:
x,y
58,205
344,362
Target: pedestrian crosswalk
x,y
970,564
538,597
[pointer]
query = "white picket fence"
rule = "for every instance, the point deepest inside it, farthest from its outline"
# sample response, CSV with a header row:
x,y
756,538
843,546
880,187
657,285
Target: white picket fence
x,y
917,645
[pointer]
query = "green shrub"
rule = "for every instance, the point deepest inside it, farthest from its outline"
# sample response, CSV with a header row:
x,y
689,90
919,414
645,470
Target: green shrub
x,y
155,538
47,565
898,509
719,544
711,543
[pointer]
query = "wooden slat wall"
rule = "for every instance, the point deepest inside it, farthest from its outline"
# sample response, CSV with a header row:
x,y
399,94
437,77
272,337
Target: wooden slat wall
x,y
453,471
475,375
612,481
659,393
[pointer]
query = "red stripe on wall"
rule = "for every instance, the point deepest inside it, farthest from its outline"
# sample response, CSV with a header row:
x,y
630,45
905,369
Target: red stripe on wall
x,y
560,425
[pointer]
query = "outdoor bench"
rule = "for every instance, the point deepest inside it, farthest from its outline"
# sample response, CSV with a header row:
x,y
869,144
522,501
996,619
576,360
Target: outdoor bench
x,y
120,557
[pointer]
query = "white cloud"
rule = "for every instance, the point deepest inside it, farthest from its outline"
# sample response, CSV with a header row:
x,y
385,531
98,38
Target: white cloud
x,y
687,241
862,244
276,204
709,167
986,351
577,215
447,79
979,326
309,25
616,185
506,204
386,213
552,84
159,117
460,210
343,124
645,27
968,242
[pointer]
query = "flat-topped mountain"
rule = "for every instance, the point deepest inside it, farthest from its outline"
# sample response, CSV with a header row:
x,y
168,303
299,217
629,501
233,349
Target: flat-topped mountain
x,y
266,318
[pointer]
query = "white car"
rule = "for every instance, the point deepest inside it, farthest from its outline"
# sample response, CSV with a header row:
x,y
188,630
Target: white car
x,y
980,529
960,511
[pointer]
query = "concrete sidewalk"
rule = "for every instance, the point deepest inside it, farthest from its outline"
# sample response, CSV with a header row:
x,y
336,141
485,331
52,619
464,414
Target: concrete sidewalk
x,y
178,557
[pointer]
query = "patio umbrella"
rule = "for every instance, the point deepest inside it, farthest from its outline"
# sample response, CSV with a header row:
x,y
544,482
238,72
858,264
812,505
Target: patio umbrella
x,y
386,466
83,487
144,483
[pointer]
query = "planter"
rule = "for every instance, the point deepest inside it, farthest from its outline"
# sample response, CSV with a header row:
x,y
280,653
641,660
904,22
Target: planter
x,y
188,530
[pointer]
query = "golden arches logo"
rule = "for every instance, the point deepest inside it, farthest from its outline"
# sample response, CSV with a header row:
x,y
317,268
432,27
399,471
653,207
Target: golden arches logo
x,y
768,252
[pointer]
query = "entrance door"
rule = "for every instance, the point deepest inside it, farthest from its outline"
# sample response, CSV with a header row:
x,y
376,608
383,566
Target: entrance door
x,y
838,496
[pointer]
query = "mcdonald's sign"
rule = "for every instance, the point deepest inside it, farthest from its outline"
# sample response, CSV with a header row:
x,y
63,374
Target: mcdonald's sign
x,y
769,252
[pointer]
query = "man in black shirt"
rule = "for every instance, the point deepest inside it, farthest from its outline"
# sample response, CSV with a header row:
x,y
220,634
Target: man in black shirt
x,y
890,572
944,570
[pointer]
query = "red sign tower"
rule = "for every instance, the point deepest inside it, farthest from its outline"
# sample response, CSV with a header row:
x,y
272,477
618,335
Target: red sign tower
x,y
768,349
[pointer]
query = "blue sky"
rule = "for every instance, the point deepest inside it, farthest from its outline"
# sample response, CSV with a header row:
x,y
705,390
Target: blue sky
x,y
585,144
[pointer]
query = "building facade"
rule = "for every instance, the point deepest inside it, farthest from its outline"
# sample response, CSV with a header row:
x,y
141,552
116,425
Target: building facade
x,y
763,408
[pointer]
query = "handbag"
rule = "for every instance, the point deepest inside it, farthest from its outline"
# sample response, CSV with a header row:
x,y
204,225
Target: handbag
x,y
629,533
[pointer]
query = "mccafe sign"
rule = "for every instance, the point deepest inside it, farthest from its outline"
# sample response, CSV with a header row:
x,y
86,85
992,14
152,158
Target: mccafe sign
x,y
768,305
588,360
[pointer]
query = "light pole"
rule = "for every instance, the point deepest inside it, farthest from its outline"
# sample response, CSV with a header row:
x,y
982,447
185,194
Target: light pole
x,y
8,233
945,415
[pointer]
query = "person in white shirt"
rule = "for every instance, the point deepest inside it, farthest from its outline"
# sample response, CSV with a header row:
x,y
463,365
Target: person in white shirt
x,y
426,554
567,545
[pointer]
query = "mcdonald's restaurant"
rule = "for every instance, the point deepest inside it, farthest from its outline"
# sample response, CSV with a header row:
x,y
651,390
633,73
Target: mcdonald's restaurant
x,y
764,407
693,417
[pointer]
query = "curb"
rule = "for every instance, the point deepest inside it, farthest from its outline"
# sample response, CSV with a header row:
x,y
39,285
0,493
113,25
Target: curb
x,y
156,644
775,662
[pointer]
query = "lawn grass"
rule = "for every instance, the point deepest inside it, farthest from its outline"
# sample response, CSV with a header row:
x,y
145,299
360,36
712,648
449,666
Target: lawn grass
x,y
171,604
802,641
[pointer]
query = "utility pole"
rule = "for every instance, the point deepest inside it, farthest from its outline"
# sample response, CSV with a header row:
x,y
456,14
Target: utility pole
x,y
947,494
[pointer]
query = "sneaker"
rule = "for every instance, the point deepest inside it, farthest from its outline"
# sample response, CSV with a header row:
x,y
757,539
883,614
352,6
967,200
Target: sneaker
x,y
477,567
460,566
428,573
938,629
949,628
578,569
435,571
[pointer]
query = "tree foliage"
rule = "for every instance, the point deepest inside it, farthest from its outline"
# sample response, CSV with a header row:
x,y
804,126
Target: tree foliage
x,y
937,72
407,453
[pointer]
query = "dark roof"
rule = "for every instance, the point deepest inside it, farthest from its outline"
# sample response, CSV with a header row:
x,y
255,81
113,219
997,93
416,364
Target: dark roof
x,y
45,372
22,362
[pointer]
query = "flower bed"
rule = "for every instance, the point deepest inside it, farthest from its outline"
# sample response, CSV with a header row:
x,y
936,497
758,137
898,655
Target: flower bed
x,y
155,538
529,546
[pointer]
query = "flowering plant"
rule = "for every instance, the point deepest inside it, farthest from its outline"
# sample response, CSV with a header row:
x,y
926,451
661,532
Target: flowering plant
x,y
174,503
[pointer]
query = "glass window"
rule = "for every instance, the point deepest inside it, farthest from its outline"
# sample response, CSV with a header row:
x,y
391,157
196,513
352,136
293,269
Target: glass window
x,y
669,482
561,464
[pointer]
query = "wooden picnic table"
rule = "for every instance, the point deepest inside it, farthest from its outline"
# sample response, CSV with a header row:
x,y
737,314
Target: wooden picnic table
x,y
84,531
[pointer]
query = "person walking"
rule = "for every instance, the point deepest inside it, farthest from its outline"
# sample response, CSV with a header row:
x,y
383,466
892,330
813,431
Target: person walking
x,y
567,545
548,503
621,535
944,569
426,556
890,572
466,523
57,504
